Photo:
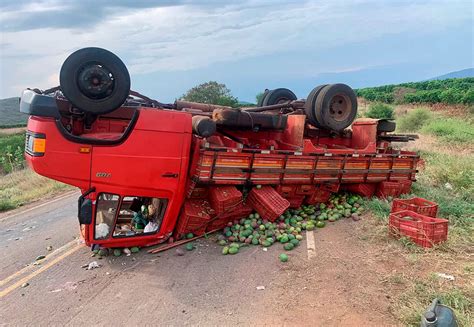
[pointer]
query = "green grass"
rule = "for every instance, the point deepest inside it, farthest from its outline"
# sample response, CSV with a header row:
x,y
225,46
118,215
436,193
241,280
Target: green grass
x,y
11,152
414,120
418,296
450,130
24,186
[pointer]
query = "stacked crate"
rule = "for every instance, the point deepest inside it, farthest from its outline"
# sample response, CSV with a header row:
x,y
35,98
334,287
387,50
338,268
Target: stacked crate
x,y
289,192
267,202
415,218
194,217
223,198
228,206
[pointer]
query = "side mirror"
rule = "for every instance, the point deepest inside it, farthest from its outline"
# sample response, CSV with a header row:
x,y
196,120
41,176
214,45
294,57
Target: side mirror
x,y
84,208
85,211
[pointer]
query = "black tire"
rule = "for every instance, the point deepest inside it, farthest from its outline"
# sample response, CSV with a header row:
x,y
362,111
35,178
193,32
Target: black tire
x,y
95,80
336,107
276,96
260,102
384,125
310,105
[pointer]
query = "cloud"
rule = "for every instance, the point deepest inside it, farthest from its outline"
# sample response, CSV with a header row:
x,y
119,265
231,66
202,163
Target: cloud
x,y
180,36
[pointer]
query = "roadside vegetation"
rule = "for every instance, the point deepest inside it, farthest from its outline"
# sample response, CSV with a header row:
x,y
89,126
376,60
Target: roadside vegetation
x,y
380,111
18,184
449,91
446,146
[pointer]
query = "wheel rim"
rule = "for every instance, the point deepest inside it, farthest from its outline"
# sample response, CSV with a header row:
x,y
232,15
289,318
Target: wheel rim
x,y
95,81
340,107
282,100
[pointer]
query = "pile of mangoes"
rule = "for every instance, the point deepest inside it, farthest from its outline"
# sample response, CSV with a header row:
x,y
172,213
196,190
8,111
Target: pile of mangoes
x,y
287,229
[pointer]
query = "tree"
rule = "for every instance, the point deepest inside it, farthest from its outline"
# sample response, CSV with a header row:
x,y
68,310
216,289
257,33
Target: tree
x,y
212,93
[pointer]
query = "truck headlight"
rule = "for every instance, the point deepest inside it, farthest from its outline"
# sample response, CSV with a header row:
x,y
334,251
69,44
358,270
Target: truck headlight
x,y
35,144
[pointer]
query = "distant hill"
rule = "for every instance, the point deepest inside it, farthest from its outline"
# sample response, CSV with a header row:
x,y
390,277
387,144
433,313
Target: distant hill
x,y
468,72
10,114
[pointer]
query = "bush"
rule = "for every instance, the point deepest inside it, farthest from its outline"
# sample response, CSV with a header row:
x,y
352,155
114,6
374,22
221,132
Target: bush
x,y
380,111
414,120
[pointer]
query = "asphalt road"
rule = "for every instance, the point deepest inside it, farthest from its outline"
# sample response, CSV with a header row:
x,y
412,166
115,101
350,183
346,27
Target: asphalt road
x,y
203,287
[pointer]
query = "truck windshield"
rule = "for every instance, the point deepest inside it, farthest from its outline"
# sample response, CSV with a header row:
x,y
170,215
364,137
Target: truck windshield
x,y
139,216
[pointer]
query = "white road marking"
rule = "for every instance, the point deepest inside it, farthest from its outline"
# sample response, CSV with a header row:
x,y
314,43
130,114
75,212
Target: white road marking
x,y
40,270
310,244
31,266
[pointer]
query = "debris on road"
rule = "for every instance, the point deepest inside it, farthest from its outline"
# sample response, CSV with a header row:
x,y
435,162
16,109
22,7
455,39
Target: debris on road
x,y
127,251
93,265
260,288
25,285
445,276
179,252
40,257
49,248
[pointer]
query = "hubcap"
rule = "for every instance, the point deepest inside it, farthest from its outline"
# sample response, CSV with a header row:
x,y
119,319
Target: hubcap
x,y
95,81
340,107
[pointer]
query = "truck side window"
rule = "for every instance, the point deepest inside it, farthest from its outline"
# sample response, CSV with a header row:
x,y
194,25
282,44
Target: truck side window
x,y
139,216
105,215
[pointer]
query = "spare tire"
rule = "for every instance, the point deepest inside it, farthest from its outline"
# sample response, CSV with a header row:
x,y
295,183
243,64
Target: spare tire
x,y
336,107
95,80
276,96
310,105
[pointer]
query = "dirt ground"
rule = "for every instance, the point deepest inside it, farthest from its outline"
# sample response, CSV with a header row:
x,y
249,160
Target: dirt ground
x,y
354,278
13,130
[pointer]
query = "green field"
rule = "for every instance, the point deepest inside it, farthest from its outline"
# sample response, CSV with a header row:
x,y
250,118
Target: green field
x,y
449,91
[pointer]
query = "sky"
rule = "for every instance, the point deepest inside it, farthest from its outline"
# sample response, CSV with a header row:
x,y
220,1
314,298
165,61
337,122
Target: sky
x,y
171,46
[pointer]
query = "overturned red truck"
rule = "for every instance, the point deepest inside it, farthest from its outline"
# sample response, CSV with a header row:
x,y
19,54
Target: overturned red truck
x,y
151,172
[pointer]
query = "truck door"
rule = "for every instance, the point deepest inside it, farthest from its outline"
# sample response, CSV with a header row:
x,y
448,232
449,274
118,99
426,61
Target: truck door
x,y
151,162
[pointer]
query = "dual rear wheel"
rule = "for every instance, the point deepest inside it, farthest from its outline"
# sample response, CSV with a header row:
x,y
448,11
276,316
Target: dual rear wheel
x,y
328,106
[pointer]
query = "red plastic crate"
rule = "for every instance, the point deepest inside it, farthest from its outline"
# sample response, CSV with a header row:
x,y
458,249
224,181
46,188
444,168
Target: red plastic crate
x,y
305,189
194,217
418,205
224,197
406,188
286,191
422,230
365,189
393,189
267,202
296,201
241,211
199,193
318,196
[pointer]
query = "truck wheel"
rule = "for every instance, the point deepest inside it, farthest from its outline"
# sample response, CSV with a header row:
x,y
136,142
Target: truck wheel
x,y
336,106
309,105
276,96
260,102
95,80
